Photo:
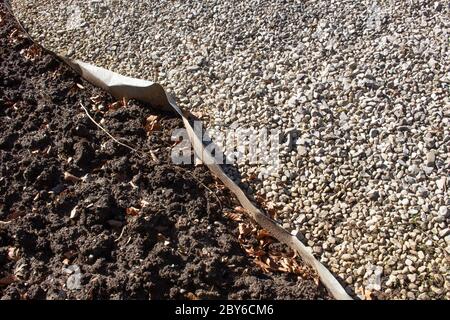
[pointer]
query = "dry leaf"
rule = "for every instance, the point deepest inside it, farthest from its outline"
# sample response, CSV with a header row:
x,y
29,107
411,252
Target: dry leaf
x,y
131,211
255,253
31,53
262,265
191,296
266,257
283,269
285,263
152,124
154,127
240,210
271,263
243,229
263,234
152,118
234,216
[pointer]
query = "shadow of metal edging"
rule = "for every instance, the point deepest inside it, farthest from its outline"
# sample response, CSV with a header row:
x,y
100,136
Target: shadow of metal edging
x,y
153,93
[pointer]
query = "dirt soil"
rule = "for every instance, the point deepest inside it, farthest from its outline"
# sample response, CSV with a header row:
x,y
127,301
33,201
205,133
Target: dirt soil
x,y
82,217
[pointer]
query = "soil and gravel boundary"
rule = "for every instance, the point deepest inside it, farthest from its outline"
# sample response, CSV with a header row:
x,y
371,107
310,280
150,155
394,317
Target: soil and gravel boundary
x,y
74,203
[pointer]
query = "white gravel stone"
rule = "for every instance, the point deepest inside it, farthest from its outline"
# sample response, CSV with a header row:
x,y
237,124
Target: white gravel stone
x,y
443,211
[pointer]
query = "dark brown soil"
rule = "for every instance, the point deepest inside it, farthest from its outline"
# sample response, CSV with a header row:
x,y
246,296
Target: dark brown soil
x,y
176,245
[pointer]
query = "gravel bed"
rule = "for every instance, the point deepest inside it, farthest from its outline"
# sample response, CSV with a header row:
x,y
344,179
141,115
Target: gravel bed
x,y
360,90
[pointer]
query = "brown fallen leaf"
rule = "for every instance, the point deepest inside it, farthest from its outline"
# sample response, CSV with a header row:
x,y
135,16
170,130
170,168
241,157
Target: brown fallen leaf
x,y
272,265
285,264
234,216
264,203
191,296
244,229
263,234
255,253
152,118
151,124
262,265
131,211
32,52
268,258
154,127
240,210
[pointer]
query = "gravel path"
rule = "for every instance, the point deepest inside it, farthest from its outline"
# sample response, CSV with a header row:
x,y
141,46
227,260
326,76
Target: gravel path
x,y
361,90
